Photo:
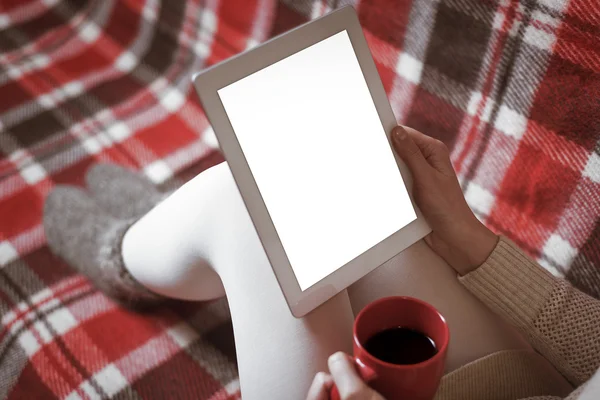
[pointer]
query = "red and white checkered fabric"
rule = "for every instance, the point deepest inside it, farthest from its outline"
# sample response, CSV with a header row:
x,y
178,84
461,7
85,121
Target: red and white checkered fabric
x,y
513,88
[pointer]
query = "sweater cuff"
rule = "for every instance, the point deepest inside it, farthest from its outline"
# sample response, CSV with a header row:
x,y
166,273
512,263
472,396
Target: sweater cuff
x,y
511,284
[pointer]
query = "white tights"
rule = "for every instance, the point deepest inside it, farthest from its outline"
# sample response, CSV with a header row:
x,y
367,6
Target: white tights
x,y
200,244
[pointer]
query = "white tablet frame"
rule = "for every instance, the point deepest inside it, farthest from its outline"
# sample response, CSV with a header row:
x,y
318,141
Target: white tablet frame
x,y
209,81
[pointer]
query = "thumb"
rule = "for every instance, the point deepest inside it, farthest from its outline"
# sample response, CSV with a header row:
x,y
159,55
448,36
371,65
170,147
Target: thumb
x,y
408,150
346,377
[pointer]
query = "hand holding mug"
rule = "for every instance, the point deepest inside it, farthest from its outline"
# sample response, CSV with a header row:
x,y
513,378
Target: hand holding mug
x,y
344,375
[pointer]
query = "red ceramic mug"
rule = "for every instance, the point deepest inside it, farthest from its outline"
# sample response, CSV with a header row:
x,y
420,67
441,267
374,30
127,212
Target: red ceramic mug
x,y
400,382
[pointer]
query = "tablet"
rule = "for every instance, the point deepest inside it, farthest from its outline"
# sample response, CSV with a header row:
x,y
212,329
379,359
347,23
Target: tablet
x,y
303,122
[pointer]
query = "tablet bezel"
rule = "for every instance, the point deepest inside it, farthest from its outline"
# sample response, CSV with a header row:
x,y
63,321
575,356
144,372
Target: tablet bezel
x,y
209,81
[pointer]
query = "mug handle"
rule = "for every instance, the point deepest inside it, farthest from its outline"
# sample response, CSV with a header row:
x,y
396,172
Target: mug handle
x,y
366,373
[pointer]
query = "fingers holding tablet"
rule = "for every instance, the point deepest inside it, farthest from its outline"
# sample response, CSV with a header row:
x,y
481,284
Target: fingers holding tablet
x,y
457,235
421,151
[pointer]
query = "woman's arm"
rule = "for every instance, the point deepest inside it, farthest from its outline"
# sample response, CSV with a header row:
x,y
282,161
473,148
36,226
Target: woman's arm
x,y
559,321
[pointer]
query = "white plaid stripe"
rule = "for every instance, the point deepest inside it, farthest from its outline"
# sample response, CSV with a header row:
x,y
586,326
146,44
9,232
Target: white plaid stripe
x,y
208,25
511,122
146,357
550,267
592,168
29,342
19,158
189,27
559,251
557,5
90,306
319,8
150,14
230,388
499,18
60,319
183,334
110,380
186,155
172,99
202,41
158,171
100,13
233,386
7,253
118,131
40,296
90,393
261,23
126,61
89,32
41,301
4,21
409,66
209,137
475,107
95,144
50,3
15,71
96,133
539,38
30,239
33,173
480,199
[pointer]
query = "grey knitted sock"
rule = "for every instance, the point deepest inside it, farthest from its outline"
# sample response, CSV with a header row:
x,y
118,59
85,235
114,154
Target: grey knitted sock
x,y
89,239
122,192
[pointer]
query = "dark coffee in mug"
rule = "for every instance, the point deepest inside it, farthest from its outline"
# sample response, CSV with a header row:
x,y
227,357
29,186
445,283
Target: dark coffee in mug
x,y
401,346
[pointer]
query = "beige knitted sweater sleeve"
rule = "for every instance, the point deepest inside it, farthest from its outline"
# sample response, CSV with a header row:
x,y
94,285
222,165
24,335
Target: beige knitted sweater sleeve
x,y
559,321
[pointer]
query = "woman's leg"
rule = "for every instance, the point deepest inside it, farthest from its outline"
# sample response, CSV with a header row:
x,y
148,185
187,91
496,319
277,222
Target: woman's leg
x,y
475,331
205,223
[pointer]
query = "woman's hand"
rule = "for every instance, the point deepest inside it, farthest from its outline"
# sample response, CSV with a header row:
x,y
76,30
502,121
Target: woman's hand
x,y
345,377
457,235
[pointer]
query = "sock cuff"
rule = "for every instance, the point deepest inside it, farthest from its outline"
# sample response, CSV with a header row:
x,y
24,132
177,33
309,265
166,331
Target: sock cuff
x,y
123,286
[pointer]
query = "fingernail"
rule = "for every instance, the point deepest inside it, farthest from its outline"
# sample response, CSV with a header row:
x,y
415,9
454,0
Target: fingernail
x,y
339,356
321,377
399,133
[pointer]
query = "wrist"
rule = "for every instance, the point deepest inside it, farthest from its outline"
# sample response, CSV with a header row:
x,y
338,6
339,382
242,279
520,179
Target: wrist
x,y
480,243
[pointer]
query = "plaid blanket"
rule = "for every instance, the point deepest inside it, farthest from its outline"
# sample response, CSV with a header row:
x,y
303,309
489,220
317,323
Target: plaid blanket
x,y
513,88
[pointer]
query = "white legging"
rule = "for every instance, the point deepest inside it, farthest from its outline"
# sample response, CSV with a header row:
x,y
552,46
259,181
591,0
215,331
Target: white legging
x,y
202,235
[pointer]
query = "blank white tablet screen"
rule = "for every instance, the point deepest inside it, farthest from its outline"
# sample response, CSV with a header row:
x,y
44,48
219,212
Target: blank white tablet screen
x,y
319,155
